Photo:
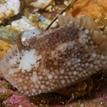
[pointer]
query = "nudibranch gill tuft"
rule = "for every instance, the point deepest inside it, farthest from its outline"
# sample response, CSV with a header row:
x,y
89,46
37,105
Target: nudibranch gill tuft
x,y
56,59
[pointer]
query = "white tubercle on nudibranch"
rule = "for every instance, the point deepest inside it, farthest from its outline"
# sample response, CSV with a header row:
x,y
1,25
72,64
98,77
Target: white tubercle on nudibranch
x,y
55,59
28,60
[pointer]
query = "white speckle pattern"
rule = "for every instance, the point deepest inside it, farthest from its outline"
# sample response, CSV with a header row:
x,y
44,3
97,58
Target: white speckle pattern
x,y
50,76
34,78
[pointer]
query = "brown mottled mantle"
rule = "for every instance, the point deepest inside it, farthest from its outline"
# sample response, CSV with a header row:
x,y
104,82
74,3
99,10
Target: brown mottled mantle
x,y
64,56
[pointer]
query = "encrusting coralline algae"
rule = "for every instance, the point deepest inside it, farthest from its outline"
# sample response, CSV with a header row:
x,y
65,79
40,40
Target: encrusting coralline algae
x,y
56,59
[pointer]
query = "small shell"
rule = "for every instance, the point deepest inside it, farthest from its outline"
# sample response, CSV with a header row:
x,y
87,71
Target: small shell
x,y
8,9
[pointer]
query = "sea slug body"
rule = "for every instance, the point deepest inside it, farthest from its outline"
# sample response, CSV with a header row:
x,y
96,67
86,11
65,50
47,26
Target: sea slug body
x,y
55,59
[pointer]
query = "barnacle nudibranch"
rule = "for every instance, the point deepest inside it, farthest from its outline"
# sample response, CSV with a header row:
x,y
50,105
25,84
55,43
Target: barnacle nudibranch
x,y
56,59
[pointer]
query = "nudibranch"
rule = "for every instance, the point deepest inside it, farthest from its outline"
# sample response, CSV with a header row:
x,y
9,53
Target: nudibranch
x,y
56,59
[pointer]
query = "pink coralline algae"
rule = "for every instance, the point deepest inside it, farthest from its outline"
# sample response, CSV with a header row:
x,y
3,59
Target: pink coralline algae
x,y
3,90
56,59
15,99
18,101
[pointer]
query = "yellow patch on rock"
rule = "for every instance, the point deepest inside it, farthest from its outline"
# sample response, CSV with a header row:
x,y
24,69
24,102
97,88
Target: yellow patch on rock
x,y
4,46
94,8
